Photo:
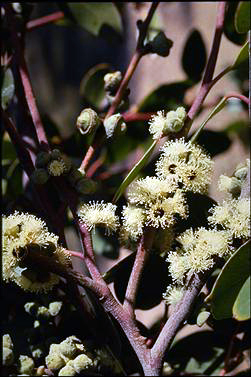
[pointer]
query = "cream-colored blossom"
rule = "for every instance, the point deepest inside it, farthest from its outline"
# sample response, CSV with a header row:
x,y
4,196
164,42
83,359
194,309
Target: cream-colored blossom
x,y
133,220
24,233
178,266
157,124
161,125
99,213
187,164
173,295
148,189
162,213
234,216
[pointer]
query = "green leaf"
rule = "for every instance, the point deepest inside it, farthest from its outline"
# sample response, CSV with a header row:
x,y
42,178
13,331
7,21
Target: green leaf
x,y
242,56
134,172
242,17
8,88
229,27
92,85
217,108
166,97
241,308
229,283
194,56
202,318
8,151
92,16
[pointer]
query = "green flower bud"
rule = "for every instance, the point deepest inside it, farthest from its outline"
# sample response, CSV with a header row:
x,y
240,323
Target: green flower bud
x,y
112,81
160,44
55,154
67,371
88,121
55,307
26,365
31,308
86,186
82,362
74,176
8,356
54,361
241,173
43,312
7,342
36,324
70,347
175,120
42,159
114,125
40,176
37,353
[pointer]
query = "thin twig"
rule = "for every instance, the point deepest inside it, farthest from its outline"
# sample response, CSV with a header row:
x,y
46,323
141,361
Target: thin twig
x,y
142,256
239,96
140,51
34,24
22,67
207,81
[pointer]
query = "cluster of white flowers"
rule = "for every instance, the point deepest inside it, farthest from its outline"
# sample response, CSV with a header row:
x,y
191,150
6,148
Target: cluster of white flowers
x,y
198,247
24,233
99,213
187,164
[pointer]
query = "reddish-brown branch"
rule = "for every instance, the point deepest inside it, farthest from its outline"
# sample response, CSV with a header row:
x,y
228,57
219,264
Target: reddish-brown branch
x,y
238,96
34,24
22,68
134,117
207,81
142,256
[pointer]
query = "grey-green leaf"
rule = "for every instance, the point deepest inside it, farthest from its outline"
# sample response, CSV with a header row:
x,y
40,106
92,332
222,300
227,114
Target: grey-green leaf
x,y
8,88
229,283
134,172
241,308
242,56
242,17
92,16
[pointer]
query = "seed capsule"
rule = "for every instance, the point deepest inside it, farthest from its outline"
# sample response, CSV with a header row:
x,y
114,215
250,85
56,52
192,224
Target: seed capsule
x,y
40,176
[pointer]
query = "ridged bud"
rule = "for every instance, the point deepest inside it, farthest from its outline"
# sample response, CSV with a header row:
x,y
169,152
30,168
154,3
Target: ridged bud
x,y
88,121
40,176
112,81
75,175
86,186
160,44
114,125
42,159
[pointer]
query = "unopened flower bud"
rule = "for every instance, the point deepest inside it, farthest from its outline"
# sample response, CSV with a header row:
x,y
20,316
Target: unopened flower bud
x,y
40,176
67,371
55,154
26,365
8,356
86,186
42,159
88,121
161,44
112,81
7,342
55,307
230,184
54,361
74,176
82,362
114,125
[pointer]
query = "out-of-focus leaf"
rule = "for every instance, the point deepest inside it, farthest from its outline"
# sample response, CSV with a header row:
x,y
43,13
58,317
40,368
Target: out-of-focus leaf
x,y
134,172
240,128
4,186
7,87
8,150
188,355
194,56
166,97
229,283
154,281
217,108
92,16
241,308
242,56
103,245
92,85
242,17
229,27
214,142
